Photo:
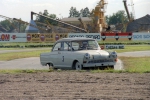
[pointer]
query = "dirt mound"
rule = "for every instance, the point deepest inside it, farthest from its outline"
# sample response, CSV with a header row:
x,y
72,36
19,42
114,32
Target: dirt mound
x,y
69,85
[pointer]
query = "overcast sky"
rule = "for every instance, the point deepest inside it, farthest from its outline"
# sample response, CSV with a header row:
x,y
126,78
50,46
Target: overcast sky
x,y
22,8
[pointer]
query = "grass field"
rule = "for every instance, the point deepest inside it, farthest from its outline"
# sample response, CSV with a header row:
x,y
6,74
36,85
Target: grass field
x,y
129,48
131,64
36,53
136,64
17,55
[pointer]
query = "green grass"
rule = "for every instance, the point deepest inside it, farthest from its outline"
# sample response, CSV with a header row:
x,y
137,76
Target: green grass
x,y
10,48
36,53
17,55
22,44
131,65
130,48
136,64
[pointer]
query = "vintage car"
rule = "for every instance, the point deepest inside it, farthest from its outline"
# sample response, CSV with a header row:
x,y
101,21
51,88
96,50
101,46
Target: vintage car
x,y
78,53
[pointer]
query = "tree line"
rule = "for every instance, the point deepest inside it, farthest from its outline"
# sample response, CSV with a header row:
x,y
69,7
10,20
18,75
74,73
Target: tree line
x,y
115,18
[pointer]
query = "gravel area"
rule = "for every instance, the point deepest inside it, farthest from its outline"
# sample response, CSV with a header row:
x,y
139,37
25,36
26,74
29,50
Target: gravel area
x,y
73,85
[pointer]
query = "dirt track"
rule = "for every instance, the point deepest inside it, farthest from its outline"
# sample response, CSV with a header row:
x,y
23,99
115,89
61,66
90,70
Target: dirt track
x,y
68,85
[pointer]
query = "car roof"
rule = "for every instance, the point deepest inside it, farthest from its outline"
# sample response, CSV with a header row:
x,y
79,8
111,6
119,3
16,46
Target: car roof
x,y
74,39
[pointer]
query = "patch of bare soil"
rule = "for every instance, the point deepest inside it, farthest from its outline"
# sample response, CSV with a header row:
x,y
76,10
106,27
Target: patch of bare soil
x,y
73,85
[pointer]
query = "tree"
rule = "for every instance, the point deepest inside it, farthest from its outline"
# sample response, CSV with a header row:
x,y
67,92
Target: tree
x,y
44,20
53,16
118,17
13,26
73,12
85,12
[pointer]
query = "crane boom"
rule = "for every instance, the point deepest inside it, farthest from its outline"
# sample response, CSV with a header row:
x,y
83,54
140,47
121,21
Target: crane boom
x,y
59,21
126,8
133,11
15,19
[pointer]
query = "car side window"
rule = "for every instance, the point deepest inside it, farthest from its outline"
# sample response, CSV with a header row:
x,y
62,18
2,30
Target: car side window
x,y
75,45
57,47
67,46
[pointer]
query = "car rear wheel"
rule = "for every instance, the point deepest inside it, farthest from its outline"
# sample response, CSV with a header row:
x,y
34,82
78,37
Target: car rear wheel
x,y
78,66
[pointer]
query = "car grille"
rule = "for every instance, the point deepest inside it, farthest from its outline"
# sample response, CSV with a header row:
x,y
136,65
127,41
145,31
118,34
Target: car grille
x,y
100,61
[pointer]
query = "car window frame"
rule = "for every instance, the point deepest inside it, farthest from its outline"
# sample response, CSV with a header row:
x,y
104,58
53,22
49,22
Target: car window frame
x,y
55,45
63,44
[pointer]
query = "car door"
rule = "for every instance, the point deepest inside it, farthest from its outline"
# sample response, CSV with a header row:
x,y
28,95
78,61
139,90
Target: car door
x,y
66,55
55,55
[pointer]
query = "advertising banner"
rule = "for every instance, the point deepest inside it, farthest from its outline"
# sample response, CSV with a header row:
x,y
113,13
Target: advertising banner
x,y
116,36
95,36
45,37
141,36
114,47
13,37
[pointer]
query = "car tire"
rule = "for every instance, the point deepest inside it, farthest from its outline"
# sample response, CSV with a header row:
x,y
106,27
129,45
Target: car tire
x,y
50,66
111,67
78,66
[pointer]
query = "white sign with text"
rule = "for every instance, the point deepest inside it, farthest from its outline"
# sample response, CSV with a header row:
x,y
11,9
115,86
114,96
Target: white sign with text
x,y
114,47
141,36
95,36
13,37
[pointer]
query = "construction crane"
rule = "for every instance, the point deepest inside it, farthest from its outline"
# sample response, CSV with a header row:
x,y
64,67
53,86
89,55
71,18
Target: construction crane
x,y
133,11
10,20
83,24
47,26
126,8
99,17
23,22
77,29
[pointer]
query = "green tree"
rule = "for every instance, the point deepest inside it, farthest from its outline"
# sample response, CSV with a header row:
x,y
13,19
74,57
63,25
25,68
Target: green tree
x,y
13,26
73,12
85,12
118,17
44,20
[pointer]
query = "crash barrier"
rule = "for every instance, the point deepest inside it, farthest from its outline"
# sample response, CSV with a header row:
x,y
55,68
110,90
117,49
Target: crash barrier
x,y
52,37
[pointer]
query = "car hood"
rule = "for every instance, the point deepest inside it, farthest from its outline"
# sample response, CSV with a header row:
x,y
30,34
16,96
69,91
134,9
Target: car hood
x,y
95,53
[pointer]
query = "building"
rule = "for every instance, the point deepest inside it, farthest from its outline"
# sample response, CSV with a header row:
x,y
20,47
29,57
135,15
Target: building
x,y
139,25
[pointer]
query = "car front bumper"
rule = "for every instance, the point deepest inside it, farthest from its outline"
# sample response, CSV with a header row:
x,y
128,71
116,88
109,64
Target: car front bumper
x,y
99,64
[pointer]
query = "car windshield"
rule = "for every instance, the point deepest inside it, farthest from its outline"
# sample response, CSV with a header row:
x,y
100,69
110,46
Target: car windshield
x,y
84,45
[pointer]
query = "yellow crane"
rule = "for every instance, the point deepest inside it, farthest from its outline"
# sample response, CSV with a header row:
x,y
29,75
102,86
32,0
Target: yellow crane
x,y
99,17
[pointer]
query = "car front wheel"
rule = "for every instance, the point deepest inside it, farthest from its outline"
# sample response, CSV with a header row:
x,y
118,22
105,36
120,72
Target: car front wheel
x,y
78,66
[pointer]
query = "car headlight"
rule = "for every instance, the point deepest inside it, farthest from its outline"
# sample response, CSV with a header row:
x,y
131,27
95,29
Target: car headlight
x,y
87,55
114,54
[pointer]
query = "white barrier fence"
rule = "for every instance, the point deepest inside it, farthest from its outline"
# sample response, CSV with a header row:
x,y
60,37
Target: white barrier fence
x,y
140,36
22,37
13,37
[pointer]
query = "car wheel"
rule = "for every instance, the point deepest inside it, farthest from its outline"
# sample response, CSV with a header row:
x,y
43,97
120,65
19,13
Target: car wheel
x,y
50,66
111,67
78,66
